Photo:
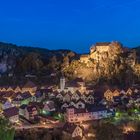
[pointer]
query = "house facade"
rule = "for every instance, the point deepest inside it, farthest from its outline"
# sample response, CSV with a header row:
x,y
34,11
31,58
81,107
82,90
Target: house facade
x,y
76,115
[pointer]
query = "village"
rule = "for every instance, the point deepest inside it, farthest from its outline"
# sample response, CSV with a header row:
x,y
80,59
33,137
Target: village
x,y
68,105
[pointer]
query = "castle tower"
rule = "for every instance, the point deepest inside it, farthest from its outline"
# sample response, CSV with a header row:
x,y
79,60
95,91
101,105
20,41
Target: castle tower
x,y
62,83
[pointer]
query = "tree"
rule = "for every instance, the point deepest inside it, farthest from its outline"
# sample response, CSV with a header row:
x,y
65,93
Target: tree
x,y
47,136
53,63
65,63
71,54
108,131
6,130
32,62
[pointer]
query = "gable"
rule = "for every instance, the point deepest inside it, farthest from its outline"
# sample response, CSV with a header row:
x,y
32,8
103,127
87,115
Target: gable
x,y
77,132
83,96
122,92
80,103
17,89
9,89
65,105
75,96
90,96
107,92
59,95
72,103
116,93
67,96
129,91
19,97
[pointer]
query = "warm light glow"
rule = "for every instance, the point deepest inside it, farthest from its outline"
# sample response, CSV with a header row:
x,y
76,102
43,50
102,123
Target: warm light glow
x,y
128,129
91,135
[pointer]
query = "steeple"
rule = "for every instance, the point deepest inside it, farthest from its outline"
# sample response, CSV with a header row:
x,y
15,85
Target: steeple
x,y
62,82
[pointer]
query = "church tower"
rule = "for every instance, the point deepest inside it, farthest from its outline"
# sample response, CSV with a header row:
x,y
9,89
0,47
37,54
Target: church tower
x,y
62,83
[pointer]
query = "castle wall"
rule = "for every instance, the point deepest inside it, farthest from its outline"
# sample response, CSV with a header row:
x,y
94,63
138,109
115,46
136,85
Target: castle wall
x,y
102,49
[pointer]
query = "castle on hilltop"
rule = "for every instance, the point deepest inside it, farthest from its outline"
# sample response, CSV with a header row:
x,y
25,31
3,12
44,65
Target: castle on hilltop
x,y
102,50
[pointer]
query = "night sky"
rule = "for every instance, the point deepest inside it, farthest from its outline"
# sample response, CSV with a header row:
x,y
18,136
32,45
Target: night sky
x,y
69,24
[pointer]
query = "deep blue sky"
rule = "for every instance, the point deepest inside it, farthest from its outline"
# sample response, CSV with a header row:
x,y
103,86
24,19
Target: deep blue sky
x,y
70,24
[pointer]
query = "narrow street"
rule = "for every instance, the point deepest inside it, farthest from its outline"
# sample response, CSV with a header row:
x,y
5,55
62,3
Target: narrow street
x,y
49,126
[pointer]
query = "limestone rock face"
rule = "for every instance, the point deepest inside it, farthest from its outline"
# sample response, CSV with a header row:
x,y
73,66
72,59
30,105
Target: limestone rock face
x,y
105,60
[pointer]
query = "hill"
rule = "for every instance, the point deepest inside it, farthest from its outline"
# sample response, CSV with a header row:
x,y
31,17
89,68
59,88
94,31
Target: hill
x,y
21,63
107,62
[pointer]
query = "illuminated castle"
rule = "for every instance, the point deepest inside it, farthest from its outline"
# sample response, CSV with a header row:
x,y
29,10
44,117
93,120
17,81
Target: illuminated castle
x,y
101,51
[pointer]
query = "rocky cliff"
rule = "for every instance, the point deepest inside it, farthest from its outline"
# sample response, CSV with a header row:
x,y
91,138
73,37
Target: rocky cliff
x,y
107,62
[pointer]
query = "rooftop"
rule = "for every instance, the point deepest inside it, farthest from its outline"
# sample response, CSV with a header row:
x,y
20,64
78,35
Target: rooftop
x,y
10,112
